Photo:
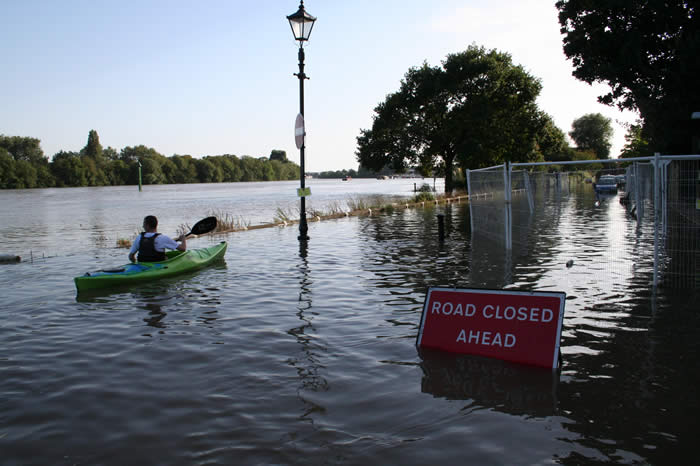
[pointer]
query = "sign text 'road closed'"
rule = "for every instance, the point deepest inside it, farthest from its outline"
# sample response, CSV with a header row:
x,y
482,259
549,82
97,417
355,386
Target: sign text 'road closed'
x,y
518,326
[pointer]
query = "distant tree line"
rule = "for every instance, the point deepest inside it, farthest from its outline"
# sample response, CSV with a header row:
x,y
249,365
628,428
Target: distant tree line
x,y
24,165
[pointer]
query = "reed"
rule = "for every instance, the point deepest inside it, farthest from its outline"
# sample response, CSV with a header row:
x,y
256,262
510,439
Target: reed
x,y
366,202
184,228
285,215
313,212
334,208
228,222
225,222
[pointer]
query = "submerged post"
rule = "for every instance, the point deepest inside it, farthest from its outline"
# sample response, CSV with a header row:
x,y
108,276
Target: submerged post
x,y
139,176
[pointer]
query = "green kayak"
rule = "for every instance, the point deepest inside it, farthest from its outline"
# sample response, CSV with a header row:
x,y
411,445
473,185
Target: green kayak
x,y
177,262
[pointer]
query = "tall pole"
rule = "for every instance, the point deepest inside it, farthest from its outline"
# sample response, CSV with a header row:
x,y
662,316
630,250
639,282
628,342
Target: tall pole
x,y
303,227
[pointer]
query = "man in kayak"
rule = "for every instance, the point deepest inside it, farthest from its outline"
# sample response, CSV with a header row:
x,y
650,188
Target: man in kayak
x,y
151,245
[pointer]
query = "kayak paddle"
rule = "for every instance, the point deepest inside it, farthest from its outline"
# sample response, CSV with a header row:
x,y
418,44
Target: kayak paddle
x,y
203,226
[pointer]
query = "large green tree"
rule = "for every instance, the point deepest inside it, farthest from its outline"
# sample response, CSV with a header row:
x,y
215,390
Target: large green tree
x,y
24,148
593,132
647,51
251,169
93,148
476,109
551,140
635,144
186,169
280,155
69,170
27,167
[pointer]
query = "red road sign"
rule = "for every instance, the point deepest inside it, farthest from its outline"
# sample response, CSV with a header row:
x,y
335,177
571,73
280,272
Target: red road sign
x,y
518,326
299,131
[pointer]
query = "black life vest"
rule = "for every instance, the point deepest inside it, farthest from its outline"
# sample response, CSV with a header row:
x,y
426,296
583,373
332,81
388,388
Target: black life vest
x,y
147,249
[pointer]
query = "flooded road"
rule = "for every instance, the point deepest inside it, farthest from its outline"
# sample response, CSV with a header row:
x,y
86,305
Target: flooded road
x,y
292,355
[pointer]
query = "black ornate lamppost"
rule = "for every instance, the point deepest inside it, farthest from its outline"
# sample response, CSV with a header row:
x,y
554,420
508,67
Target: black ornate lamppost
x,y
302,23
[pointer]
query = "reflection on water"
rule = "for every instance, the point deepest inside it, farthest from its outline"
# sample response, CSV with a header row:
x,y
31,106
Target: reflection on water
x,y
155,316
308,363
293,353
510,388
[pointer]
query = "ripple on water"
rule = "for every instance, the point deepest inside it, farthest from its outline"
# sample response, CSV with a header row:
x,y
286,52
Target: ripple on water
x,y
285,354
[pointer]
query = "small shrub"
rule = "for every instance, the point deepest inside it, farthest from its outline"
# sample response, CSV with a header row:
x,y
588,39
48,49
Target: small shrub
x,y
388,208
124,243
422,197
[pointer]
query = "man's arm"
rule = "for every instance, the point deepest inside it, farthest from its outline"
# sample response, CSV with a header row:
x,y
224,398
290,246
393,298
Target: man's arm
x,y
183,243
134,249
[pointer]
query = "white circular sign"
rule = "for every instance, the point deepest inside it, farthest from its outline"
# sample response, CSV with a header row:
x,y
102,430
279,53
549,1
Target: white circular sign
x,y
299,131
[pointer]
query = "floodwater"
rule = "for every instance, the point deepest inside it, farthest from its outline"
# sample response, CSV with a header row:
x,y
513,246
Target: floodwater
x,y
285,354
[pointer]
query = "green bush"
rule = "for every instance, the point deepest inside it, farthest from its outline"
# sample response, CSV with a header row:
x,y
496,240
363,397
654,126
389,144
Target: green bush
x,y
423,196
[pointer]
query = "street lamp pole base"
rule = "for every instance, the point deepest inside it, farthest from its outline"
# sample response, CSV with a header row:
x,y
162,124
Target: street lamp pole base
x,y
303,228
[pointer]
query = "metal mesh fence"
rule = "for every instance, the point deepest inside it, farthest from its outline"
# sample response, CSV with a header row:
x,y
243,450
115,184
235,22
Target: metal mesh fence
x,y
487,203
641,191
657,220
680,223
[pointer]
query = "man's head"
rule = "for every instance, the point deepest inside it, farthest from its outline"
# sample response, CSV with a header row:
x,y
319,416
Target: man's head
x,y
150,223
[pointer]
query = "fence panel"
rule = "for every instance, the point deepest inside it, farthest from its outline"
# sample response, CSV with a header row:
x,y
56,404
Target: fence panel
x,y
661,194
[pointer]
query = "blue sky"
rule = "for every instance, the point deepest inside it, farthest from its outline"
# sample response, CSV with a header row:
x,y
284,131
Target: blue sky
x,y
216,77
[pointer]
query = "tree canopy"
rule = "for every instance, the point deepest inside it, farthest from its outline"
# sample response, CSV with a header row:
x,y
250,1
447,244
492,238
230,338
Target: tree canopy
x,y
476,109
635,144
648,53
93,149
593,132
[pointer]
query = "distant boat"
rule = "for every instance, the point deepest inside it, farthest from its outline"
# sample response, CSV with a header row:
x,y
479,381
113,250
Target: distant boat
x,y
347,178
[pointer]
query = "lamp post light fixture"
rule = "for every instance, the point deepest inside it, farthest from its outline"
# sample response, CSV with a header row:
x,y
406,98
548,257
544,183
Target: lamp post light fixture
x,y
302,23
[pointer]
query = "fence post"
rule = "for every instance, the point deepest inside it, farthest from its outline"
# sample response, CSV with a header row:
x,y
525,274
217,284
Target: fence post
x,y
639,206
657,188
507,172
469,193
530,200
